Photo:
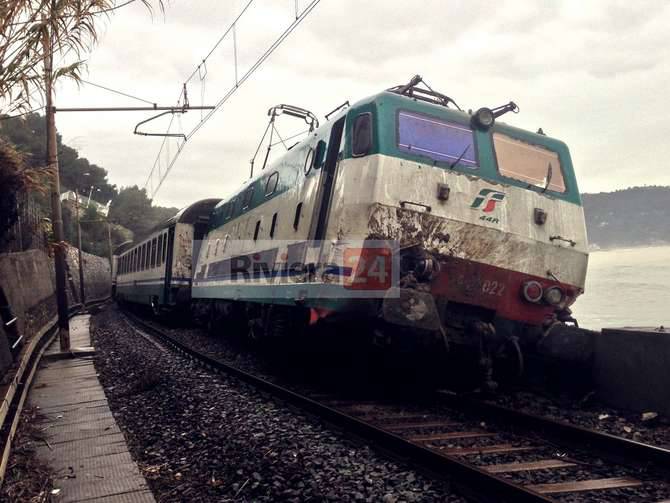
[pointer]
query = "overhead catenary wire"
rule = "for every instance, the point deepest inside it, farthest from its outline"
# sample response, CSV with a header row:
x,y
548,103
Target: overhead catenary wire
x,y
157,168
117,92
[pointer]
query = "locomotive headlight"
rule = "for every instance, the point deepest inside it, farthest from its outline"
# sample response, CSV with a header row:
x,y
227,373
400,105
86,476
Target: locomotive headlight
x,y
532,291
483,118
553,296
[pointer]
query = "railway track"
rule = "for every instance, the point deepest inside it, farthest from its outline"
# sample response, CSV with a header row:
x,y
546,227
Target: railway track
x,y
487,452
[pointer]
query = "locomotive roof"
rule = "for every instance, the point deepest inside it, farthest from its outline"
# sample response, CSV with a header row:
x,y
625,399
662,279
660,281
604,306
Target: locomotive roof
x,y
393,99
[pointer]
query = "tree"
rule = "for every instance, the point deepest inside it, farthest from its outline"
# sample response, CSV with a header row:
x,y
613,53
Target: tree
x,y
70,26
132,209
28,135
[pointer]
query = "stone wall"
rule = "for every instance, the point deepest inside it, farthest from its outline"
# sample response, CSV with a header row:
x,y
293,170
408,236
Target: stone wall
x,y
97,282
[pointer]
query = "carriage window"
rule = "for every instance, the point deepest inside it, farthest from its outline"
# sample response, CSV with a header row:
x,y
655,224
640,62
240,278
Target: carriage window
x,y
154,252
528,163
296,218
273,225
436,139
145,256
362,137
135,260
248,195
165,239
271,184
159,253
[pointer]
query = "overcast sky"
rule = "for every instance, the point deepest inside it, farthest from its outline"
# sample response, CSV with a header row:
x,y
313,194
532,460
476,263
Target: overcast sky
x,y
595,74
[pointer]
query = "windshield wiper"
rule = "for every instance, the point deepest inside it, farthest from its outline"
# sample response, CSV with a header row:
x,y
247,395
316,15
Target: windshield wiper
x,y
451,166
550,171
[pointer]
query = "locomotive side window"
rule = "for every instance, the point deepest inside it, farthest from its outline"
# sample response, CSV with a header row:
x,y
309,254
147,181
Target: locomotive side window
x,y
273,225
248,195
320,154
257,229
271,184
309,161
528,163
436,139
296,218
362,137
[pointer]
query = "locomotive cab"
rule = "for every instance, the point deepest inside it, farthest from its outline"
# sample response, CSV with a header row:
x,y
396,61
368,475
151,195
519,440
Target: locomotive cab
x,y
489,220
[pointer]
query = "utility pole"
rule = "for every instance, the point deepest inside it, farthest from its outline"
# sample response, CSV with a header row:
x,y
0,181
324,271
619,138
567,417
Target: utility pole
x,y
56,214
111,252
82,293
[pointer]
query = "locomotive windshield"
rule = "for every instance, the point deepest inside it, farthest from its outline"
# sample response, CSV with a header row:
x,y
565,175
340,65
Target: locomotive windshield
x,y
528,163
436,139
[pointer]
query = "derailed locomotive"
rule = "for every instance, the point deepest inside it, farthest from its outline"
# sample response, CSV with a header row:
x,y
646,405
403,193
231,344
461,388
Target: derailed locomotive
x,y
420,219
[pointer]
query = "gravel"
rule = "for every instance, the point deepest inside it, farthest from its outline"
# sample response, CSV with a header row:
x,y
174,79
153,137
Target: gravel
x,y
590,413
586,411
280,364
199,436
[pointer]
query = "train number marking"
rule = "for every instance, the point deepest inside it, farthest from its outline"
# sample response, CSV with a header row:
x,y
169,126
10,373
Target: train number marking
x,y
493,288
493,220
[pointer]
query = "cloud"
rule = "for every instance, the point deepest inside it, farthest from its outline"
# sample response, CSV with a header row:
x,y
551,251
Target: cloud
x,y
591,73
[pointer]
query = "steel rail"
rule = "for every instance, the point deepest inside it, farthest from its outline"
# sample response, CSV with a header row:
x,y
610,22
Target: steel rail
x,y
470,480
614,447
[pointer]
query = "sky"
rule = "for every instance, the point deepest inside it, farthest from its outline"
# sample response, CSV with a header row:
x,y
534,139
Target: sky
x,y
594,74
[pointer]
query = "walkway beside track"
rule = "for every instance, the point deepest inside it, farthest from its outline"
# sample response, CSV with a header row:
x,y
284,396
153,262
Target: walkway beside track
x,y
83,444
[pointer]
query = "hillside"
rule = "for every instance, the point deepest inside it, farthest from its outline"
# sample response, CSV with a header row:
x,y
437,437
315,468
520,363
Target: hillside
x,y
131,209
636,216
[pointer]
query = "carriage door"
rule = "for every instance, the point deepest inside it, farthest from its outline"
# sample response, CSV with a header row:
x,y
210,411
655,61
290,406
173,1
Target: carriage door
x,y
327,181
168,265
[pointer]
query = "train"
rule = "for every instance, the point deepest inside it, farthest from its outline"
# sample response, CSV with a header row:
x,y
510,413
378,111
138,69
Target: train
x,y
430,225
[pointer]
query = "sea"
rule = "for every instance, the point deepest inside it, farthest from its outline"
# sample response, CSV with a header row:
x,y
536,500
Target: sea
x,y
626,287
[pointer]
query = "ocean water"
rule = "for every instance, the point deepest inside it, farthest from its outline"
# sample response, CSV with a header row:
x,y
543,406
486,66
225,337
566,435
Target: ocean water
x,y
626,287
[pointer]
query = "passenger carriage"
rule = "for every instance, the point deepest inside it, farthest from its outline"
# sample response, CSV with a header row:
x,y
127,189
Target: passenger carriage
x,y
157,270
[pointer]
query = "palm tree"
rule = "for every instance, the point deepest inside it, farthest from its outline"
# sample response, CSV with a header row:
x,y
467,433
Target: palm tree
x,y
69,27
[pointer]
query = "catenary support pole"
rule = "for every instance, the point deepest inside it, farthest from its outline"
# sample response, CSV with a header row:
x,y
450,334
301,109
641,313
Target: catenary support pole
x,y
111,252
56,214
82,291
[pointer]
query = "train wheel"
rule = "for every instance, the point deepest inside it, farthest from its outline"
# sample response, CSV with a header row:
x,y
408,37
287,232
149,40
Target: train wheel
x,y
155,306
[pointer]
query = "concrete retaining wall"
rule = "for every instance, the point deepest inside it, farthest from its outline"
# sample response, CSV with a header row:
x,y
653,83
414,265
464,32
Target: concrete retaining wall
x,y
632,369
28,281
27,278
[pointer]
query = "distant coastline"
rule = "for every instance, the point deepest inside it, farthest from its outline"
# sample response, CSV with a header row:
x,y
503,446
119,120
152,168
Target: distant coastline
x,y
628,218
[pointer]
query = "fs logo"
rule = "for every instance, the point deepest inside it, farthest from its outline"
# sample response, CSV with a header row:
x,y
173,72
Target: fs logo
x,y
488,198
